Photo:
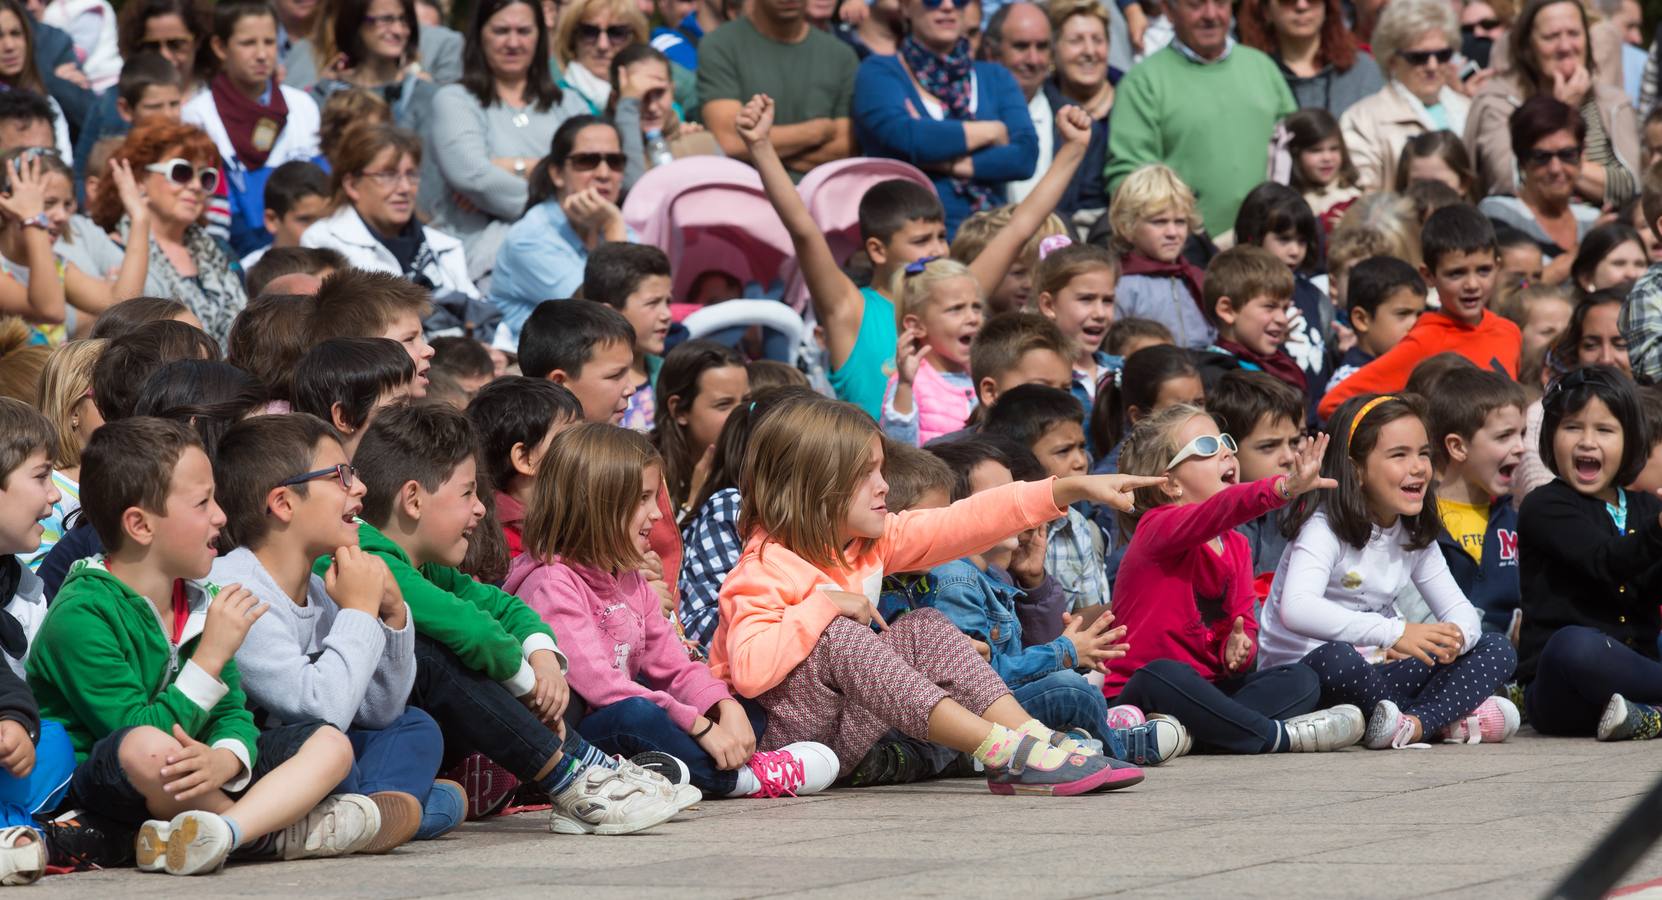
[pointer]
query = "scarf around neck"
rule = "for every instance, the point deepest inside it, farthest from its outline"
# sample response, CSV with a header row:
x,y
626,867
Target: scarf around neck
x,y
252,126
1134,263
1279,364
948,79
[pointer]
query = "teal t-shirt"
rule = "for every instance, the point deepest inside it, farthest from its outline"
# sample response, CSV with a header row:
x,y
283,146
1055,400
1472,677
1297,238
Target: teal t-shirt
x,y
863,379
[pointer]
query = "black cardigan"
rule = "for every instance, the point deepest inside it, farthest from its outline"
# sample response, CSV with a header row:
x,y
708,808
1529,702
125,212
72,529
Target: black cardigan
x,y
1575,569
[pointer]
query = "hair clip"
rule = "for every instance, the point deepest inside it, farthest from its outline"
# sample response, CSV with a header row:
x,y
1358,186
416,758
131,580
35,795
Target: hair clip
x,y
1118,373
916,268
1052,244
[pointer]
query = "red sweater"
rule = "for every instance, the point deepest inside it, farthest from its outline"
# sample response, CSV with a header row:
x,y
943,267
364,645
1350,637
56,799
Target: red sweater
x,y
1170,571
1493,344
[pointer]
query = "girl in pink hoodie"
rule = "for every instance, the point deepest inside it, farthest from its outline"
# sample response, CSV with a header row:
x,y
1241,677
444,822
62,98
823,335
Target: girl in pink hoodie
x,y
797,611
591,512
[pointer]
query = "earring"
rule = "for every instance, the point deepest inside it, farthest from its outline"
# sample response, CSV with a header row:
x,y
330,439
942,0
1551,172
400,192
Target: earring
x,y
1179,492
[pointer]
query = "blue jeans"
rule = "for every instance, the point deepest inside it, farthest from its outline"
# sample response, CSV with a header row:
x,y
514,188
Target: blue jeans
x,y
1233,715
1578,670
1064,700
403,756
21,799
636,725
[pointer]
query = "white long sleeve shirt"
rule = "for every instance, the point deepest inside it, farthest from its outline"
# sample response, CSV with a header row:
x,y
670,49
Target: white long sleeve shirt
x,y
1326,590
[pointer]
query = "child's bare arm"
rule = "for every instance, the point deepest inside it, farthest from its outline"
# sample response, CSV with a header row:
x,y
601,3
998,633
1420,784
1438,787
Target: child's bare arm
x,y
1000,253
837,302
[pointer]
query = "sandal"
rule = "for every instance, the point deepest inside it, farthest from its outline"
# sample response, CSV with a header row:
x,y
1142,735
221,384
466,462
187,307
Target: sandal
x,y
21,863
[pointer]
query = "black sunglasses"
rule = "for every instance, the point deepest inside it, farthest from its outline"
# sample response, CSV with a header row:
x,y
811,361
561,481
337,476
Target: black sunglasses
x,y
1421,57
583,162
617,34
1480,24
345,472
1568,156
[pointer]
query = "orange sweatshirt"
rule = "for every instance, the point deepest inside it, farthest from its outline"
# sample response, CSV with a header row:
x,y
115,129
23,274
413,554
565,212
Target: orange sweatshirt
x,y
773,605
1493,344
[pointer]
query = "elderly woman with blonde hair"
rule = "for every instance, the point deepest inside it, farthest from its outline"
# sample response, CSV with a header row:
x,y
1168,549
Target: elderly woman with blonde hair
x,y
1414,42
590,33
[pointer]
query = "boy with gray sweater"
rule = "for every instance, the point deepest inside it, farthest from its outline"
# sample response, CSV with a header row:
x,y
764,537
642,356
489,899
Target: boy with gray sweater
x,y
338,648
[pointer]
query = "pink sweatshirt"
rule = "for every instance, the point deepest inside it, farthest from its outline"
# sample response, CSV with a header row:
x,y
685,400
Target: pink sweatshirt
x,y
773,606
613,631
1170,573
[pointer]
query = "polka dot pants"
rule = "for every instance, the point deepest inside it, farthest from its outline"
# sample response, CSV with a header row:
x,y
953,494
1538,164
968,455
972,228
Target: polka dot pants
x,y
1437,695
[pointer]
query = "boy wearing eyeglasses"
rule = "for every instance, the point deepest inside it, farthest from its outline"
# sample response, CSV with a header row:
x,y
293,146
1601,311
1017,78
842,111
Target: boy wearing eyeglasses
x,y
337,648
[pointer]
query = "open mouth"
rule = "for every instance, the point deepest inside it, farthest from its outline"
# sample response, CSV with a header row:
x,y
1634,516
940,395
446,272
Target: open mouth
x,y
1093,333
1231,475
1414,490
1506,472
1587,468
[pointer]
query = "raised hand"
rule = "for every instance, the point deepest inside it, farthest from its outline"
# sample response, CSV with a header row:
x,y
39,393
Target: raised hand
x,y
128,189
1116,491
1027,563
27,197
755,120
1096,643
1307,469
908,354
1074,124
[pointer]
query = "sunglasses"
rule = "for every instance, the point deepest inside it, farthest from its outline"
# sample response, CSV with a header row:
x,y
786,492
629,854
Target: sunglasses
x,y
1205,446
584,162
936,4
344,472
617,34
1569,156
1421,57
1480,25
182,173
171,45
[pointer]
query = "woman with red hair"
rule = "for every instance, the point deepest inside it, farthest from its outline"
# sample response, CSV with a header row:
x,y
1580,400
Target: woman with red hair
x,y
1316,53
179,169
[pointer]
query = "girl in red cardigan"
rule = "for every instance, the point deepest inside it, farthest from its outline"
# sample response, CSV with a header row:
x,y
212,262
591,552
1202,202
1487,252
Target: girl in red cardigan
x,y
1185,595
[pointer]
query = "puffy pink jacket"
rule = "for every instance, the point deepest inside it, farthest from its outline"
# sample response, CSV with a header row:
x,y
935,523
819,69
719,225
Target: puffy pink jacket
x,y
942,407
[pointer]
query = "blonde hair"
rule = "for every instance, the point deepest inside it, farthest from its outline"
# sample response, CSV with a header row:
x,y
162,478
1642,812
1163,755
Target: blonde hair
x,y
1150,445
803,464
564,41
587,486
1403,21
1063,10
977,232
20,362
1147,192
1387,224
65,382
912,292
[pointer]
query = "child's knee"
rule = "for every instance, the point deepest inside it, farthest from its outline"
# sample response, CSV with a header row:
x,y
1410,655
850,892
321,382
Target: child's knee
x,y
639,709
331,748
143,753
1334,655
1496,646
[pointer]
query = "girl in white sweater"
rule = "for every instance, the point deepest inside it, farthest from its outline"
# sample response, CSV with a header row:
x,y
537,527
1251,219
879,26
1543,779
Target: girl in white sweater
x,y
1356,547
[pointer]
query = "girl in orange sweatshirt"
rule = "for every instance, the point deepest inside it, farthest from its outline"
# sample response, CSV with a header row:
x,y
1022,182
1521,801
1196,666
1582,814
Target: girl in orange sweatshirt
x,y
798,611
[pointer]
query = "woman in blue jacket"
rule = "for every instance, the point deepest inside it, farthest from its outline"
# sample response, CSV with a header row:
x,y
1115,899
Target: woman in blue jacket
x,y
964,122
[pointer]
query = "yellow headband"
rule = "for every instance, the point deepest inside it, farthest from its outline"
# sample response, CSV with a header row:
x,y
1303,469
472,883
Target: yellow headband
x,y
1363,413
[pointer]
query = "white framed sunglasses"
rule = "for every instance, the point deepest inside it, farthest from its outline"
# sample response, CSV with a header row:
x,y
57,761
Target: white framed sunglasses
x,y
182,173
1206,445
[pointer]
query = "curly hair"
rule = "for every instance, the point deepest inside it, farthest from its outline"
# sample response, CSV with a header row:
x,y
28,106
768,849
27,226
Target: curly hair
x,y
1337,47
148,143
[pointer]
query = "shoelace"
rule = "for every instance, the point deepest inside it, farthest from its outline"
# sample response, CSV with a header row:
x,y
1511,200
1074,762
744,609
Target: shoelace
x,y
1404,738
779,772
1473,726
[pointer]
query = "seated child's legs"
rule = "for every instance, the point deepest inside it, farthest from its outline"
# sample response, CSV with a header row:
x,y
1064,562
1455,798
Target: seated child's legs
x,y
856,684
1449,692
1240,715
403,757
1578,670
42,790
1064,701
636,725
1348,678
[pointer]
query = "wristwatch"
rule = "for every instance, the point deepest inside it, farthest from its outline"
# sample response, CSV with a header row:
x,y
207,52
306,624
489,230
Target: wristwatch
x,y
38,220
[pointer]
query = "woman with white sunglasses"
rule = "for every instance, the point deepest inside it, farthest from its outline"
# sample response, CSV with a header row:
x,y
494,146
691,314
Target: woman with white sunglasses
x,y
177,169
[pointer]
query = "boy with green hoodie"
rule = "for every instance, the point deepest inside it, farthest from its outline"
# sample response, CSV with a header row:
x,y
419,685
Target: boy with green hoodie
x,y
135,659
487,667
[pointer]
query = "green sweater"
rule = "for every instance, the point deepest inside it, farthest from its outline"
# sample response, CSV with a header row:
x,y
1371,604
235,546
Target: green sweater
x,y
103,662
1211,123
490,630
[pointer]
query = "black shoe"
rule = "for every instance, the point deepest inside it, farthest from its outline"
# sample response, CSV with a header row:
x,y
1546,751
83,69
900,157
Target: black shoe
x,y
889,762
79,841
665,764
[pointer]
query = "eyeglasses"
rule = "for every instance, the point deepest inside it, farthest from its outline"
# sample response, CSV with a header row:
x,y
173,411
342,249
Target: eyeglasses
x,y
1569,156
386,21
936,4
584,162
1480,25
617,34
1207,445
344,472
171,45
182,173
389,180
1421,57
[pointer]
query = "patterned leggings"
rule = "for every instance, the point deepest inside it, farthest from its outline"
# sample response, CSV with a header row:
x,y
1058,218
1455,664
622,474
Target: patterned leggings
x,y
856,684
1437,695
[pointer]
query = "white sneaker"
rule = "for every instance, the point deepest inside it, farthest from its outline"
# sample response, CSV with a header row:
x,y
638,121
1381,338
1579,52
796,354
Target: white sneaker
x,y
22,855
339,825
1324,729
796,769
1183,746
196,842
604,801
683,794
1389,729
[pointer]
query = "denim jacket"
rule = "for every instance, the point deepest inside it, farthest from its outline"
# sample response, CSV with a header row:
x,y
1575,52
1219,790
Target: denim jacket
x,y
983,608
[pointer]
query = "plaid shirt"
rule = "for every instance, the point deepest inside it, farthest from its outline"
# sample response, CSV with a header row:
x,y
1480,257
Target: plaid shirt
x,y
1641,324
712,550
1075,556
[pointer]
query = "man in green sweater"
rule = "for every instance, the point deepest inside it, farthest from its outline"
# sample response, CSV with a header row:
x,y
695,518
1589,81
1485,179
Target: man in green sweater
x,y
1206,106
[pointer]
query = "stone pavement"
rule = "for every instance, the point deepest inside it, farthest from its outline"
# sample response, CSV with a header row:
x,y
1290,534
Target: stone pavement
x,y
1489,821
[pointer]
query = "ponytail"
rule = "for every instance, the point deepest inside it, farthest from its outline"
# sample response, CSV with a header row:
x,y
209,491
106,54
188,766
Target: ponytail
x,y
1137,385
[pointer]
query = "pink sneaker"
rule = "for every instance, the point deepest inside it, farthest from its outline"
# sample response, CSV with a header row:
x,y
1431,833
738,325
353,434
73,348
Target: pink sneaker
x,y
1494,720
488,786
1125,716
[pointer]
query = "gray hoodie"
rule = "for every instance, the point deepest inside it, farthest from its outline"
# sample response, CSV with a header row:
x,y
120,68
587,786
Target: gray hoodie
x,y
318,661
